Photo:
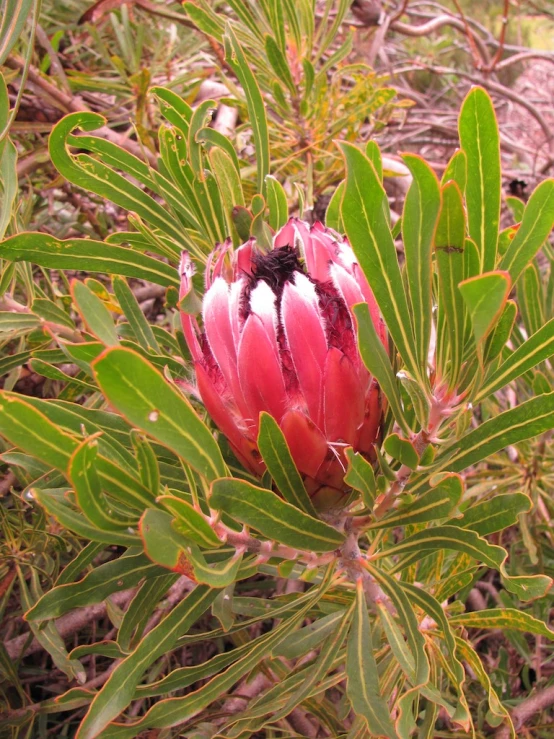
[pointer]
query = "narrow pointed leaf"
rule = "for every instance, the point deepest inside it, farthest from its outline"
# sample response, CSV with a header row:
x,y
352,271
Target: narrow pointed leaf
x,y
133,313
376,359
363,675
536,225
504,619
402,450
435,504
480,141
276,455
537,348
419,220
190,523
86,254
449,253
254,102
456,170
361,477
272,517
149,402
531,300
485,297
276,202
111,577
94,313
369,234
58,506
95,506
495,514
118,691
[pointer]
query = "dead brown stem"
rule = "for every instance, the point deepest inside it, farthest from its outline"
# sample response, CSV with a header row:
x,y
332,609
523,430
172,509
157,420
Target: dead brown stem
x,y
526,709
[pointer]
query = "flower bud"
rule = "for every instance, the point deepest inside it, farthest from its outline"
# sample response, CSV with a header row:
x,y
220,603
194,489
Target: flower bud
x,y
279,336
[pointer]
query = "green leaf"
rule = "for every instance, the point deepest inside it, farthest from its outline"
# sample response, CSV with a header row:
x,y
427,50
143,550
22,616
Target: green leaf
x,y
190,523
216,140
86,254
10,322
219,575
50,311
276,455
449,537
466,540
516,206
8,178
529,291
508,619
375,358
111,577
53,373
495,514
316,673
528,419
140,609
501,333
309,637
276,203
272,517
369,234
133,313
14,15
32,432
278,62
485,297
94,313
118,691
437,503
402,450
373,153
97,176
363,675
417,396
47,635
537,222
79,563
163,544
149,402
468,654
361,477
333,217
69,518
254,102
174,711
147,462
419,219
537,348
229,184
407,617
449,253
479,139
434,609
456,170
94,505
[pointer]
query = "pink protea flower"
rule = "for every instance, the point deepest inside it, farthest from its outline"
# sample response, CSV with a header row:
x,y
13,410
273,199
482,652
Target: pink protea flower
x,y
279,336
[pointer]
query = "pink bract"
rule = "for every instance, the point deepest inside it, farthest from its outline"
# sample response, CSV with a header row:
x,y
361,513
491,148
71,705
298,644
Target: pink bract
x,y
279,336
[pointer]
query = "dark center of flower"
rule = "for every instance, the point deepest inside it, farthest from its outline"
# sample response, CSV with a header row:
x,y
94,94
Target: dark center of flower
x,y
276,267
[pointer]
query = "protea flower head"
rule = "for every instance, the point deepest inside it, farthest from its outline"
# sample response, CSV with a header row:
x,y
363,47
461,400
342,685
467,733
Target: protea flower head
x,y
279,336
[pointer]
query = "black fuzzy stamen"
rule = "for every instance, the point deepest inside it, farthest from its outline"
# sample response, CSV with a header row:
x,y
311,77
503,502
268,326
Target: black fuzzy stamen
x,y
276,267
